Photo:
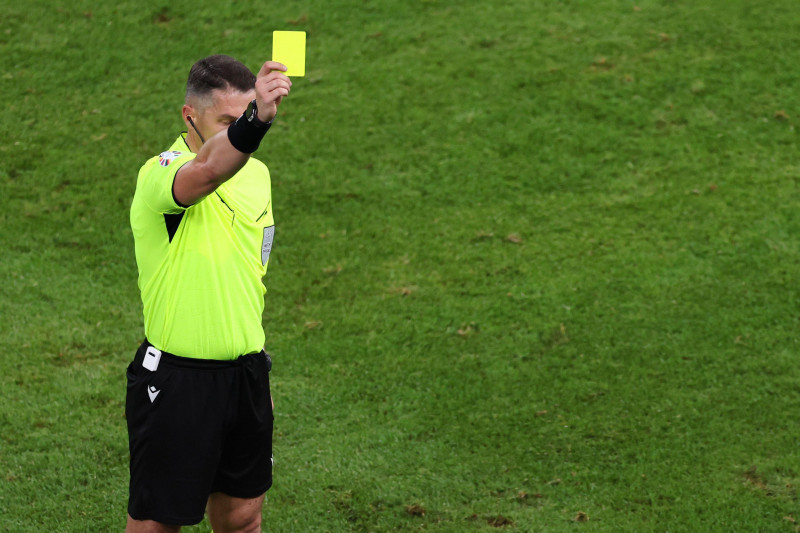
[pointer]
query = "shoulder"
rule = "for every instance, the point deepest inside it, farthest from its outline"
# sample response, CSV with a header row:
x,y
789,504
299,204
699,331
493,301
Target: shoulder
x,y
167,162
154,182
255,171
178,151
254,165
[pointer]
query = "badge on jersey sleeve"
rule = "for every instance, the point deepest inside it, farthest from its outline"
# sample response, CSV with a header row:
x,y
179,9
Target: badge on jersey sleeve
x,y
168,157
266,244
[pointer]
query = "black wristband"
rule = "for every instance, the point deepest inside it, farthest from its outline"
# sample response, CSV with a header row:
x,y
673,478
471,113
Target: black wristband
x,y
245,136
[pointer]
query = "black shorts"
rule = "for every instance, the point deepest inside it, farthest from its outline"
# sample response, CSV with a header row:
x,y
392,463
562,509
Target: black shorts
x,y
196,427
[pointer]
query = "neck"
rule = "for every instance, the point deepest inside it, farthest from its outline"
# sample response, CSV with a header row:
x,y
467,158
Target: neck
x,y
193,141
195,136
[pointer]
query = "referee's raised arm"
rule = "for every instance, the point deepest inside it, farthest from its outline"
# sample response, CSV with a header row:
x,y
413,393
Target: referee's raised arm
x,y
230,140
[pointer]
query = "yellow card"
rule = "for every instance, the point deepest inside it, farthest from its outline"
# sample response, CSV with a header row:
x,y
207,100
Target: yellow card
x,y
289,48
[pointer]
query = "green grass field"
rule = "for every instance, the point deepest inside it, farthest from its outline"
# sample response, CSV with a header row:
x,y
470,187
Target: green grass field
x,y
536,264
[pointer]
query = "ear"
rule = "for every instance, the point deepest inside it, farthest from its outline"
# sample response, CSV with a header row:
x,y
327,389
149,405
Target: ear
x,y
188,111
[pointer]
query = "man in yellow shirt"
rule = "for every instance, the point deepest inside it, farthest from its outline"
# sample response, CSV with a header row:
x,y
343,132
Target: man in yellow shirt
x,y
198,404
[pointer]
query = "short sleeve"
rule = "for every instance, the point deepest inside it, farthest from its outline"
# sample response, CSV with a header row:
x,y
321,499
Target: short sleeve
x,y
154,186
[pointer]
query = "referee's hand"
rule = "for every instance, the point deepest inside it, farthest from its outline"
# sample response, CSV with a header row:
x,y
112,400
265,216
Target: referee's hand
x,y
271,86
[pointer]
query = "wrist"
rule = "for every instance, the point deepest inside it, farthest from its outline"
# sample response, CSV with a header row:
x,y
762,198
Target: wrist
x,y
258,117
264,119
246,133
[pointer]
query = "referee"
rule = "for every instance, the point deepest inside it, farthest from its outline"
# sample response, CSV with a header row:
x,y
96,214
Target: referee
x,y
198,402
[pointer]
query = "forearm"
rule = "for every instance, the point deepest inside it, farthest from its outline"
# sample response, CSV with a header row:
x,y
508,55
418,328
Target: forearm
x,y
218,161
224,154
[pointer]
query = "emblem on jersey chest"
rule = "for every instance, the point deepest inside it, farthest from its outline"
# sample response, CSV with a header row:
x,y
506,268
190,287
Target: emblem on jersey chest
x,y
266,244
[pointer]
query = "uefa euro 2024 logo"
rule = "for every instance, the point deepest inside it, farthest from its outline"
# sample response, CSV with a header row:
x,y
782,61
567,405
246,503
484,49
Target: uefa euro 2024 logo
x,y
167,157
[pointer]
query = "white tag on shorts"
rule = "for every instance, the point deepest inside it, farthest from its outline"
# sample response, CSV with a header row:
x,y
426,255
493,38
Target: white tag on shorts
x,y
266,244
151,358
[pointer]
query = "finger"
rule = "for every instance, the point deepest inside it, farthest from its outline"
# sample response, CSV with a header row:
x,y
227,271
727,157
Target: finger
x,y
270,93
265,85
274,75
272,78
272,84
272,99
277,94
269,66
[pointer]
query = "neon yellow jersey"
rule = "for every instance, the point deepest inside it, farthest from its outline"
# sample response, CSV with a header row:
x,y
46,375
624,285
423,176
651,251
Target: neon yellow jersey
x,y
201,267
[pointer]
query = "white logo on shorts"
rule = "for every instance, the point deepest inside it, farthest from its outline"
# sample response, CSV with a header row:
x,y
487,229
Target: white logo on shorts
x,y
152,392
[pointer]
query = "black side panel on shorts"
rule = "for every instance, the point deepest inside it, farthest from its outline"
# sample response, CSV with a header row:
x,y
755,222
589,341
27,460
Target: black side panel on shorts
x,y
172,222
